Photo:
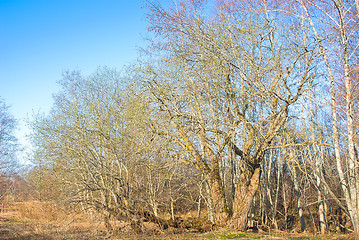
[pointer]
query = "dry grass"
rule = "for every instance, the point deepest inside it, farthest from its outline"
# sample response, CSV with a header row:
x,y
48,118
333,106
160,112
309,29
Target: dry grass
x,y
38,220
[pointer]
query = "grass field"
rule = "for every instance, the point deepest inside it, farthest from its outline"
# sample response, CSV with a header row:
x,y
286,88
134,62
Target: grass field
x,y
33,220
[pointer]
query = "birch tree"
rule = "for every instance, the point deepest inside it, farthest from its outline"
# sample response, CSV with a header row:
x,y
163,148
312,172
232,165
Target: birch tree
x,y
338,45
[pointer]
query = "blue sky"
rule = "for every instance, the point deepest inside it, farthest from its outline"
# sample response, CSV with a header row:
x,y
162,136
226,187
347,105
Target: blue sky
x,y
39,39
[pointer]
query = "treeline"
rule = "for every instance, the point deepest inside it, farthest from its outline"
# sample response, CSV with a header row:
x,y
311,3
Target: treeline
x,y
243,110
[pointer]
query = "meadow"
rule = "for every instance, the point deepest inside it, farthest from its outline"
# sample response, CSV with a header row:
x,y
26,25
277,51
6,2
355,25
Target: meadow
x,y
39,220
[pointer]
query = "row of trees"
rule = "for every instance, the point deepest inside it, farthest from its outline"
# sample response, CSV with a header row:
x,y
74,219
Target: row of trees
x,y
230,97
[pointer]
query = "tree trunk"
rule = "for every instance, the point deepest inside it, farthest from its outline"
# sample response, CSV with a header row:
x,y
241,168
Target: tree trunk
x,y
274,214
245,190
219,204
199,206
209,203
353,160
321,207
321,210
299,198
172,210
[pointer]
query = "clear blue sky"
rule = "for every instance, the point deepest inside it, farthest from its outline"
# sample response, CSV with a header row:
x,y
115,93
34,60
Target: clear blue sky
x,y
39,39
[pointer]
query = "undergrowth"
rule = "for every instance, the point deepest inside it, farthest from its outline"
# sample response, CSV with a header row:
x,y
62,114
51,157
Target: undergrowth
x,y
46,220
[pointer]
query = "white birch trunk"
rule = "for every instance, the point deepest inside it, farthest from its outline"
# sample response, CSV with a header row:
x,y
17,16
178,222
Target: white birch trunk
x,y
347,187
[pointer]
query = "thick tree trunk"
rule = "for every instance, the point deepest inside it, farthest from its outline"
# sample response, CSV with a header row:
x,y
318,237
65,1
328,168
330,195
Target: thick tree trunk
x,y
245,190
209,203
219,204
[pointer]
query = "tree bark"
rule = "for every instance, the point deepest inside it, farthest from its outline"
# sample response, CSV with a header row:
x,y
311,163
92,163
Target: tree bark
x,y
219,204
299,197
209,203
245,191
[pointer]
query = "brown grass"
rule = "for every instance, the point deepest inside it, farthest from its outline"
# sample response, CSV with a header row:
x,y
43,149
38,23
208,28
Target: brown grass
x,y
39,220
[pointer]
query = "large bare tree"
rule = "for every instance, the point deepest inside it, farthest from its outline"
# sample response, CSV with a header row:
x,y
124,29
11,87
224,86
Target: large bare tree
x,y
227,83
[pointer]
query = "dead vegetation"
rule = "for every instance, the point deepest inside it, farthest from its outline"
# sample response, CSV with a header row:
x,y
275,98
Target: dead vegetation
x,y
45,220
36,220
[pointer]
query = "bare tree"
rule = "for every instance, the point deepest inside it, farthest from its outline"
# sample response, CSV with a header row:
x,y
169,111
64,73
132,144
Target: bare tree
x,y
340,42
228,78
8,142
8,152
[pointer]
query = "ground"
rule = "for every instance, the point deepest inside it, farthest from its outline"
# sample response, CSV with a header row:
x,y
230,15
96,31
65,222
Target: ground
x,y
30,222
